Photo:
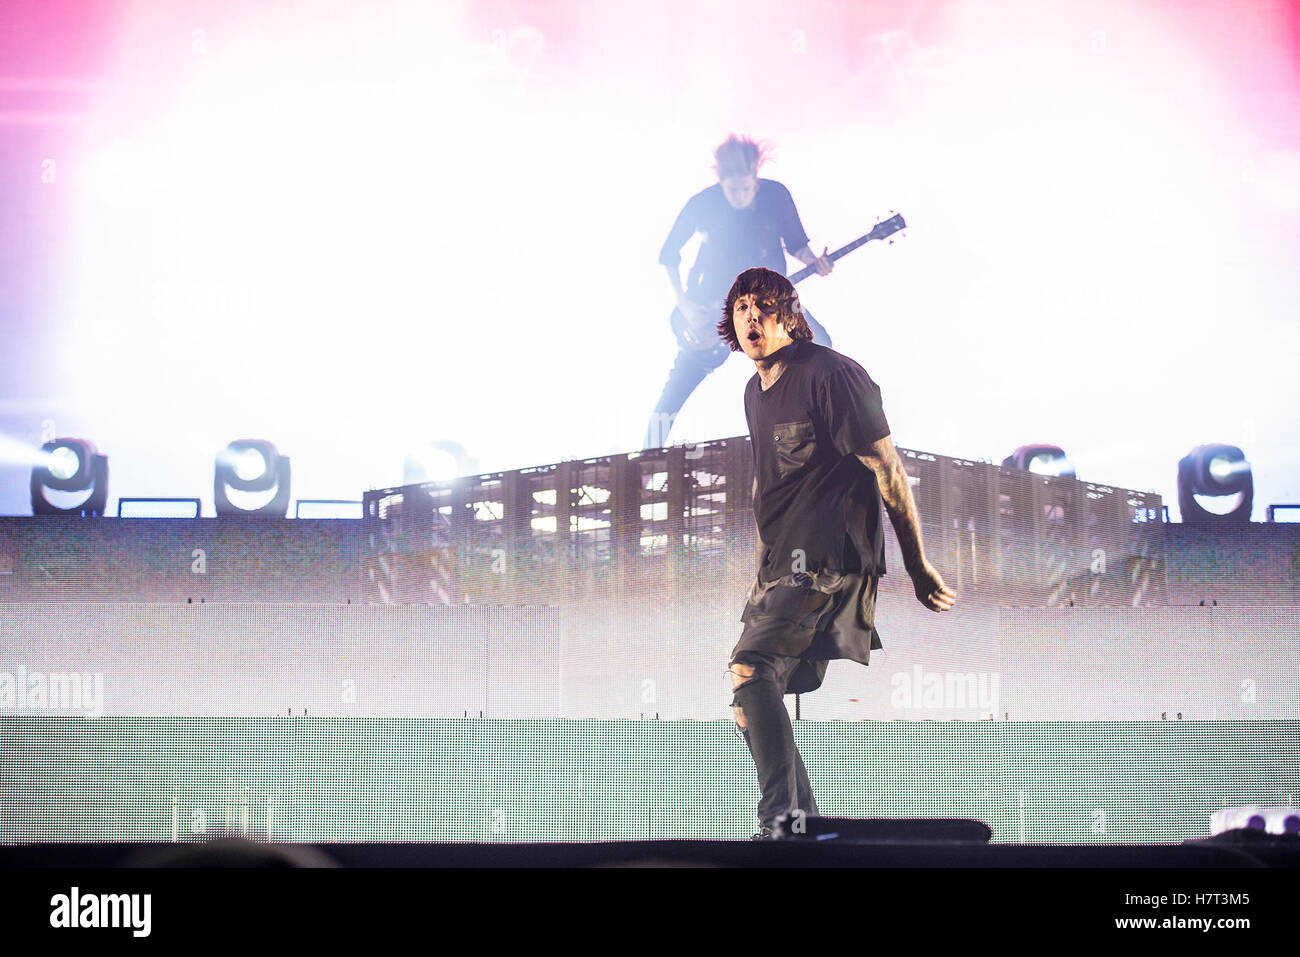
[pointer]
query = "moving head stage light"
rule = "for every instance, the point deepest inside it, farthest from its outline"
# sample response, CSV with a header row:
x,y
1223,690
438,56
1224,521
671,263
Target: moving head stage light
x,y
1220,473
246,470
1040,459
68,467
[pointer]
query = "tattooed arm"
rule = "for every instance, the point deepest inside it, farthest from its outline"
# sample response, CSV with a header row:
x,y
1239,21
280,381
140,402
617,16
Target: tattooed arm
x,y
896,493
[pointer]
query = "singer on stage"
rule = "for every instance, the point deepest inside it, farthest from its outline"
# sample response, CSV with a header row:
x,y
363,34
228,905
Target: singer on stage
x,y
824,461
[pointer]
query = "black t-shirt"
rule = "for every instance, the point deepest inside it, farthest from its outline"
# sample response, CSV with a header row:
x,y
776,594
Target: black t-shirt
x,y
818,507
734,239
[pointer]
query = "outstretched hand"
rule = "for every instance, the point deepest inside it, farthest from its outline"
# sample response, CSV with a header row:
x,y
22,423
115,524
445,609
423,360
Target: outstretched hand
x,y
931,590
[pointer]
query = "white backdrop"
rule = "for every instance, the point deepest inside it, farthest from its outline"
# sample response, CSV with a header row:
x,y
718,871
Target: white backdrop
x,y
358,228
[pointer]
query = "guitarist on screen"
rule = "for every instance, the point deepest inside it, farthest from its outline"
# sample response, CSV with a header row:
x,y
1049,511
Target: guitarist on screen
x,y
745,221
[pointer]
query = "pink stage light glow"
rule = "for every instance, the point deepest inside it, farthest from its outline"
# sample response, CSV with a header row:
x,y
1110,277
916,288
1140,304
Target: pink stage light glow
x,y
358,228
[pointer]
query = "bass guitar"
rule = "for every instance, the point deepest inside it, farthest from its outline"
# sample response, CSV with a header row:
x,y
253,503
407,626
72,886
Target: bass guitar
x,y
702,335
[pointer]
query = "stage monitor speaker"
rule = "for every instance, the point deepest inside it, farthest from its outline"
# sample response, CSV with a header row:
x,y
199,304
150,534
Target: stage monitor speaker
x,y
803,827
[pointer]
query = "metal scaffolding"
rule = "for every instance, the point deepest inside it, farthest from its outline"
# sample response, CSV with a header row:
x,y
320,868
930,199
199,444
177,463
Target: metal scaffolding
x,y
660,521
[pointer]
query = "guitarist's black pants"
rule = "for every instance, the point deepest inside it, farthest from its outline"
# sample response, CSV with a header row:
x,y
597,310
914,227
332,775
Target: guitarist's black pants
x,y
689,370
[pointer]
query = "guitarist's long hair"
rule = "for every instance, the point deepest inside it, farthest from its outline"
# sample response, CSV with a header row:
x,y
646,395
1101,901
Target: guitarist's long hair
x,y
765,284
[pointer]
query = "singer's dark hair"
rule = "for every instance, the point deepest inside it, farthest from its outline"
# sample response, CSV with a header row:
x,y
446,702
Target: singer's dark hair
x,y
767,286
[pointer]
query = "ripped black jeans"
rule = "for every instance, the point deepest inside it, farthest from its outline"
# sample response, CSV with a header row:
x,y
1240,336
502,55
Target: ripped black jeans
x,y
792,632
769,735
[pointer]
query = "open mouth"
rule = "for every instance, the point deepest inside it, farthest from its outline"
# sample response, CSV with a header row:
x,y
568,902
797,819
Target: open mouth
x,y
754,335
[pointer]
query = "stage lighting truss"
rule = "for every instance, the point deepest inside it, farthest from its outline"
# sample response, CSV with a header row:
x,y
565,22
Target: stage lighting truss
x,y
1041,460
1215,484
327,508
251,478
158,507
71,479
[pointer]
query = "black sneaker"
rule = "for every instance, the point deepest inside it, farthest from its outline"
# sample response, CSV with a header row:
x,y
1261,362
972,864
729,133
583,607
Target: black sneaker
x,y
764,834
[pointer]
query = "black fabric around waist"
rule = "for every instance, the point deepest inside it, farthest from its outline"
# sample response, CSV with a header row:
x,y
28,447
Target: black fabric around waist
x,y
801,622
